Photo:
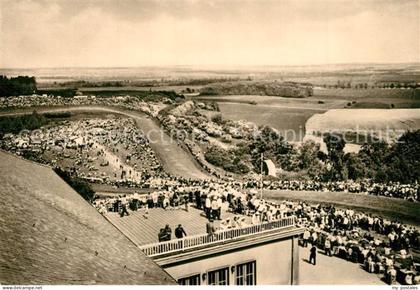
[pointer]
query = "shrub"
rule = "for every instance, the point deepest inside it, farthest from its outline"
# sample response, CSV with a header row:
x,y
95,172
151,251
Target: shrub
x,y
80,186
218,119
17,124
15,86
229,160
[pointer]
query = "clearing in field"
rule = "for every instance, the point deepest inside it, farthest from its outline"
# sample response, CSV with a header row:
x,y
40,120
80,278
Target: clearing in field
x,y
382,123
287,115
289,122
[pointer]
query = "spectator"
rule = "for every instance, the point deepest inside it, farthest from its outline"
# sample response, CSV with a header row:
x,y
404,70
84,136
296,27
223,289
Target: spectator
x,y
312,256
208,207
327,246
215,209
210,229
168,233
180,232
162,235
306,236
123,210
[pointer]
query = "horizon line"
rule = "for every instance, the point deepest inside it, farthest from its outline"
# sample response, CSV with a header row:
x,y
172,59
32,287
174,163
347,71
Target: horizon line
x,y
231,66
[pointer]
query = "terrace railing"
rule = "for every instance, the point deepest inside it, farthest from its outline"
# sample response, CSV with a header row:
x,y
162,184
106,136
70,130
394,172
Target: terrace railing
x,y
191,242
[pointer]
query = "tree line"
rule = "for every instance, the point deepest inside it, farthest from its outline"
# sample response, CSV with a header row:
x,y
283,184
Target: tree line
x,y
15,86
377,160
17,124
382,85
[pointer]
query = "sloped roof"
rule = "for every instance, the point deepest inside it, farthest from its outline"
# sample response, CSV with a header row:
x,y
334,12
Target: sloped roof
x,y
50,235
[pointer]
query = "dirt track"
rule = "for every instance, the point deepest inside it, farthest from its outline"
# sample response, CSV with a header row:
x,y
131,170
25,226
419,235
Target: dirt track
x,y
173,157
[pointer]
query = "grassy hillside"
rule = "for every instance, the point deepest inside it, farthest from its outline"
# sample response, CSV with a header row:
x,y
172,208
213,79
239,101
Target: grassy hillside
x,y
262,88
376,122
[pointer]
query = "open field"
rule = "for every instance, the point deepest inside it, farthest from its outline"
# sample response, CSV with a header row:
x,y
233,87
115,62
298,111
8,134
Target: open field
x,y
301,103
335,98
313,113
391,208
372,98
285,120
376,122
128,89
368,93
283,114
316,74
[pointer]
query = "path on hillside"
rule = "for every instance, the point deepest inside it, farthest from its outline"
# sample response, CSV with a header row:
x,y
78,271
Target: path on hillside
x,y
175,160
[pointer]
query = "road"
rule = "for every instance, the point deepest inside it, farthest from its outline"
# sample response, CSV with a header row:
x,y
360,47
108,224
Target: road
x,y
174,159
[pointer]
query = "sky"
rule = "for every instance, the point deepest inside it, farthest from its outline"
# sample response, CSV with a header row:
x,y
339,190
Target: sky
x,y
110,33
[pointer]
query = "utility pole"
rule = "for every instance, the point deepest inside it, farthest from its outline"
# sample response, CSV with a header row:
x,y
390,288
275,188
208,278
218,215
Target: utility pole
x,y
261,172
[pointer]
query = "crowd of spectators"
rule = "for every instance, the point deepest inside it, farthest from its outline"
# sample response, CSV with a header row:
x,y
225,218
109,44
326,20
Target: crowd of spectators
x,y
395,190
189,119
381,246
391,189
126,102
96,150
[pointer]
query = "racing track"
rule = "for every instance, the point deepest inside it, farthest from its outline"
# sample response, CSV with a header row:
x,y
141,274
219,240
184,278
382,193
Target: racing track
x,y
174,159
179,162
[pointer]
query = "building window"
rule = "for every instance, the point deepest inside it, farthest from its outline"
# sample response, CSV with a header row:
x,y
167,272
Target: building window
x,y
218,277
191,280
246,273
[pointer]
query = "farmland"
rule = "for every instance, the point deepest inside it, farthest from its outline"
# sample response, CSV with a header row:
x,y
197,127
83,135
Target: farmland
x,y
135,89
285,120
261,88
291,114
372,98
382,123
284,114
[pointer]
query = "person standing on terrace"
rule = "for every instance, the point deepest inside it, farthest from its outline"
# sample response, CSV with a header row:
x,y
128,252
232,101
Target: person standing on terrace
x,y
306,236
210,227
215,208
168,233
207,206
180,232
312,256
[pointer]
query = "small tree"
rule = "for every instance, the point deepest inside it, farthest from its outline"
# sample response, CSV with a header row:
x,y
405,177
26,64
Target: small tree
x,y
218,119
335,145
80,186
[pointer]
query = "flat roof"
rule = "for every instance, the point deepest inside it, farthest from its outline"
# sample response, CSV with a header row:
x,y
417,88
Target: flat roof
x,y
50,235
144,230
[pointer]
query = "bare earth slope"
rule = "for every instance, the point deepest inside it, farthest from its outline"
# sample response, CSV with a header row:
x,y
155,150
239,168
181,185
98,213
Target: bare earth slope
x,y
396,121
